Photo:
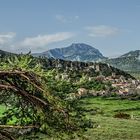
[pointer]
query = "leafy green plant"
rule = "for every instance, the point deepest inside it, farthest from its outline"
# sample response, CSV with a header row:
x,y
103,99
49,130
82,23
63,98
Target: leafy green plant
x,y
36,100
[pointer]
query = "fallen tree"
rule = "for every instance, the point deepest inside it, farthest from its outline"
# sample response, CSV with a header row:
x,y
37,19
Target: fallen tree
x,y
31,106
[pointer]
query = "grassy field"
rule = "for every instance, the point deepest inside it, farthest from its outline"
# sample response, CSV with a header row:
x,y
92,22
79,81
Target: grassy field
x,y
106,126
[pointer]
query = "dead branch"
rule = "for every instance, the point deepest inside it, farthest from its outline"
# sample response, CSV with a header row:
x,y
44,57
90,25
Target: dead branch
x,y
18,126
29,97
22,74
5,134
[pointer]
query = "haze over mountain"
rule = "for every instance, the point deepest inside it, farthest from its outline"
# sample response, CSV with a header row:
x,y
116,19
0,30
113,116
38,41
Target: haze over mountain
x,y
5,53
127,62
91,69
86,53
74,52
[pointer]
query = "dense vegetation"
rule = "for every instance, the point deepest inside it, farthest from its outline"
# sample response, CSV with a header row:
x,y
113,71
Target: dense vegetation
x,y
36,102
36,99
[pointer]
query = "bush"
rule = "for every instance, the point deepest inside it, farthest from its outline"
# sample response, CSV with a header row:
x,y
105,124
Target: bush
x,y
122,115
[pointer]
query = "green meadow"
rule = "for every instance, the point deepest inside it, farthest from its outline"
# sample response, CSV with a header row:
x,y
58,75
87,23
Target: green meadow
x,y
106,126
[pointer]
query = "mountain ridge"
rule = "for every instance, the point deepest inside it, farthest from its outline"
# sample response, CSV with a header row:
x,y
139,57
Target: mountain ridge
x,y
128,62
74,52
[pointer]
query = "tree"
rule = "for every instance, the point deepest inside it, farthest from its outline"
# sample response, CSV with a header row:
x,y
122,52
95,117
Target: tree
x,y
31,105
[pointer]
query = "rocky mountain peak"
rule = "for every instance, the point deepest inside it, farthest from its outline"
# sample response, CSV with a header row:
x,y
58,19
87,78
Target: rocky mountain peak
x,y
74,52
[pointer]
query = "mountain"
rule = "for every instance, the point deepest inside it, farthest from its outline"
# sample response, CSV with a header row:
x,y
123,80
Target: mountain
x,y
127,62
91,69
135,54
74,52
5,53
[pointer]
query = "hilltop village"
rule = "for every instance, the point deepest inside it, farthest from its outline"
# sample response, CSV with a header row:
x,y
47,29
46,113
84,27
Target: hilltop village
x,y
120,83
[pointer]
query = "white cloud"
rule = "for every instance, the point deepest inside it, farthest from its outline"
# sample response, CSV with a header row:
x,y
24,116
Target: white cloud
x,y
36,43
63,19
102,31
8,41
76,17
42,40
6,38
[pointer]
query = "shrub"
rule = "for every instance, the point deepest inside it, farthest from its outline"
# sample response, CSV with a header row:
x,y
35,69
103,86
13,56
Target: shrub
x,y
122,115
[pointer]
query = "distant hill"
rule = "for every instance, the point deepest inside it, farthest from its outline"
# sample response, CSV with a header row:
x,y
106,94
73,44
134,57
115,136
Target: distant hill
x,y
92,69
74,52
4,53
127,62
86,53
89,68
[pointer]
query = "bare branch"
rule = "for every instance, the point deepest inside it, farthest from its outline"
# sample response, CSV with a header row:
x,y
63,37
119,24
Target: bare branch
x,y
5,134
31,98
19,126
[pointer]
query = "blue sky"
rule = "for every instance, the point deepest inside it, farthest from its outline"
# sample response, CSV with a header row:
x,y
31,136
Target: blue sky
x,y
112,26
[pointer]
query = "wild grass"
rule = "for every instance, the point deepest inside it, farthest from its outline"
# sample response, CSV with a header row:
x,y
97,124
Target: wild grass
x,y
106,126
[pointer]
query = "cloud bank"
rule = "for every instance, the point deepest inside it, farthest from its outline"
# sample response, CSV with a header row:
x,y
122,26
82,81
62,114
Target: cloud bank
x,y
43,40
39,42
6,38
64,19
102,31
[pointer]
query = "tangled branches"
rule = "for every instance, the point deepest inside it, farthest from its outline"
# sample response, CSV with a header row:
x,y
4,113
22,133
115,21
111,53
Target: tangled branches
x,y
31,106
31,97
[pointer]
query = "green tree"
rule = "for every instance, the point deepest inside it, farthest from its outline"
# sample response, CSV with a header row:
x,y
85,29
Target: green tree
x,y
30,92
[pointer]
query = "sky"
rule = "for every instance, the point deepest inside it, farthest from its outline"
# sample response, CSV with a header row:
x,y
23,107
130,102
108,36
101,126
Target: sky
x,y
112,26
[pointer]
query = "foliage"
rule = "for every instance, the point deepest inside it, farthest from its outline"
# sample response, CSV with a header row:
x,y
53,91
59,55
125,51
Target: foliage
x,y
36,101
94,84
122,115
